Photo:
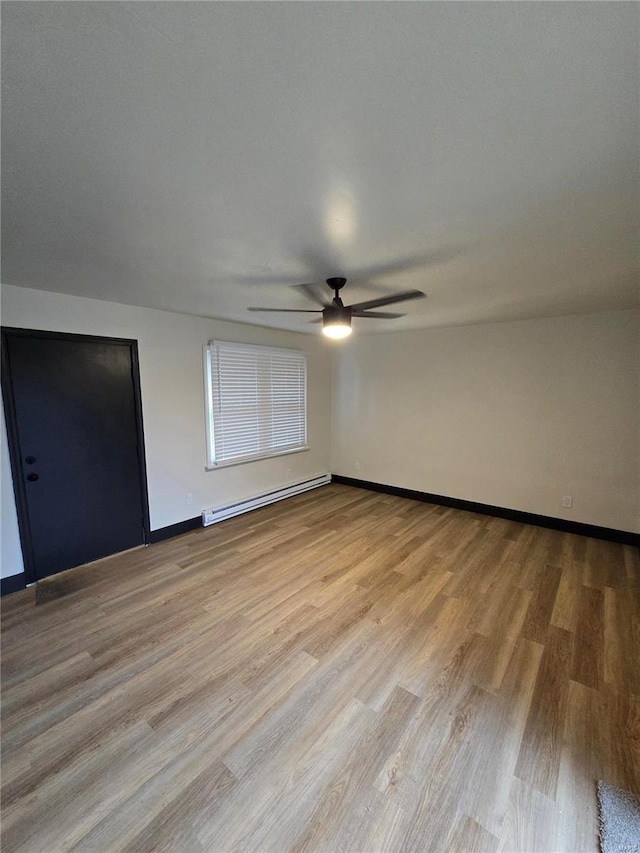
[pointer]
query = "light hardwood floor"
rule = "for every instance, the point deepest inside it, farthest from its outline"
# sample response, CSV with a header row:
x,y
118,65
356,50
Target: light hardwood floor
x,y
340,671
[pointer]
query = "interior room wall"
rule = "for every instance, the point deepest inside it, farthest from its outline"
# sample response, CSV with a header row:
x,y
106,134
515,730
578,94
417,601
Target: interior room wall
x,y
171,378
10,552
514,414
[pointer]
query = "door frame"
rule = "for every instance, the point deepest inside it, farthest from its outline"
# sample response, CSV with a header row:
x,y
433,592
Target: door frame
x,y
13,443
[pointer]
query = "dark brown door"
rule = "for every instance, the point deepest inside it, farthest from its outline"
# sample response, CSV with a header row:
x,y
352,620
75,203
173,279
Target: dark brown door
x,y
76,446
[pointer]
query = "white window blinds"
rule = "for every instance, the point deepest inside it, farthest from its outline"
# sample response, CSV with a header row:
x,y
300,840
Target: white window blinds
x,y
257,402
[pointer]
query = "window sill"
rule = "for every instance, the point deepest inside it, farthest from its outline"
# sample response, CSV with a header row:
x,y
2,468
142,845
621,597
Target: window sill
x,y
233,462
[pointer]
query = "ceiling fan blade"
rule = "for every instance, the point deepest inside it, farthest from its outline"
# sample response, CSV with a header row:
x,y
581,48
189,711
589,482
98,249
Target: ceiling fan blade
x,y
317,320
377,315
290,310
314,292
426,259
388,300
256,280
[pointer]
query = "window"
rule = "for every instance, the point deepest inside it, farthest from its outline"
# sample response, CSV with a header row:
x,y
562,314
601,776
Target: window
x,y
256,402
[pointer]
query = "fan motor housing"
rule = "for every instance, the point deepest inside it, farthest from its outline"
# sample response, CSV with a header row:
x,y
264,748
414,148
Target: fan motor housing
x,y
336,314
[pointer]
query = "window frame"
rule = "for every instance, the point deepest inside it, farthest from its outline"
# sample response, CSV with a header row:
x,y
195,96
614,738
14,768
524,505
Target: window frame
x,y
211,463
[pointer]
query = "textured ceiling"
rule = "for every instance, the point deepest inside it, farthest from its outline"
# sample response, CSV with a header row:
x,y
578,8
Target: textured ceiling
x,y
203,157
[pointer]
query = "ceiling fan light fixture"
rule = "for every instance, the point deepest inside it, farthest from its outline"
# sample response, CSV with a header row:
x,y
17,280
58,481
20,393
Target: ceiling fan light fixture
x,y
336,316
336,322
336,330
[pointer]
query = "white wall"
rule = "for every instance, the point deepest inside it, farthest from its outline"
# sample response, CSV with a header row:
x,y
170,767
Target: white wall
x,y
171,376
512,414
10,553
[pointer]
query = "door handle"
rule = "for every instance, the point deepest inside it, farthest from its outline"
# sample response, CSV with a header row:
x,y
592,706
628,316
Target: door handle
x,y
32,477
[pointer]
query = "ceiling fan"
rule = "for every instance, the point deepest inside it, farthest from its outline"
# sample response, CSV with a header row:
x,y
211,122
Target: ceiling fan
x,y
336,316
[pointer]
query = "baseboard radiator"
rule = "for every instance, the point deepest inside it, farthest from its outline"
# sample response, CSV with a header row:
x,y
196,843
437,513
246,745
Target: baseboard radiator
x,y
213,516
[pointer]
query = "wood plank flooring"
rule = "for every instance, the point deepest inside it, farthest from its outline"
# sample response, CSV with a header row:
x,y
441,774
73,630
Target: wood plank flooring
x,y
342,671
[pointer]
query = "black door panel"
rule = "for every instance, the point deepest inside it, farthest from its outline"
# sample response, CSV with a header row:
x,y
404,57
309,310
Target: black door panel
x,y
75,417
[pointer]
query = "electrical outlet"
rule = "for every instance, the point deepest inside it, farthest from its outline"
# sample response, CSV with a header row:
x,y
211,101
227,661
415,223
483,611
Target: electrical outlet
x,y
189,498
356,465
567,501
